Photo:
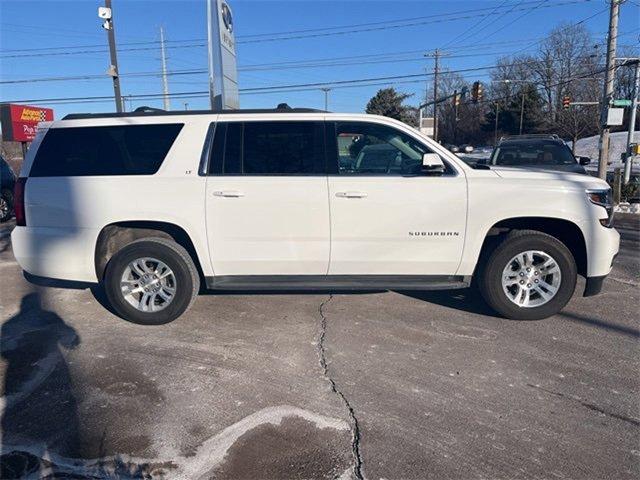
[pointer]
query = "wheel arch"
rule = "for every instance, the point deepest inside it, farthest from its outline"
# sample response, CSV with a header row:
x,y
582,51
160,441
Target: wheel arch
x,y
564,230
116,235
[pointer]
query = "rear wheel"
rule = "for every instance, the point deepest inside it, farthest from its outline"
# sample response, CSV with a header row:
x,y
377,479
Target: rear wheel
x,y
151,281
529,275
6,205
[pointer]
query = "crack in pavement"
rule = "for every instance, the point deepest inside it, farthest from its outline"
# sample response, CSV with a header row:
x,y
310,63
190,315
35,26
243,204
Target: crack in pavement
x,y
355,429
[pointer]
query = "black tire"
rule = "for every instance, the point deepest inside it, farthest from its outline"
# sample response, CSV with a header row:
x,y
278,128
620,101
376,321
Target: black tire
x,y
518,241
168,252
6,205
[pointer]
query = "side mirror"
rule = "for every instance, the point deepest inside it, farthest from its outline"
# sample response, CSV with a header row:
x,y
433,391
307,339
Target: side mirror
x,y
584,160
432,163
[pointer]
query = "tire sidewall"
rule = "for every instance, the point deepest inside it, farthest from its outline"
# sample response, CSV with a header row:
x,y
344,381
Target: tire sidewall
x,y
159,251
491,284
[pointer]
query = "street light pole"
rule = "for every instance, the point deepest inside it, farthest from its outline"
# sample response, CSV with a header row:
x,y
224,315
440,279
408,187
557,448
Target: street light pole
x,y
109,26
603,151
326,98
632,123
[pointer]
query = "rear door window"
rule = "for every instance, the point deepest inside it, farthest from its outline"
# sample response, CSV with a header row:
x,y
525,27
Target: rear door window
x,y
269,148
109,150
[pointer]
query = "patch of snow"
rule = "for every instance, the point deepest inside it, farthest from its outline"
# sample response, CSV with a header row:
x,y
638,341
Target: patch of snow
x,y
588,147
210,453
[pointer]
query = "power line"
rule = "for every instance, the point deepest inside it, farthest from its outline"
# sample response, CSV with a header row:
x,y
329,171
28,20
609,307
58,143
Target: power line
x,y
289,88
474,14
369,24
501,28
455,39
293,35
276,88
379,58
322,63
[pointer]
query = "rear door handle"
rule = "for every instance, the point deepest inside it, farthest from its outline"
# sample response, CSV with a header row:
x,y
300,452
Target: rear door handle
x,y
228,193
351,194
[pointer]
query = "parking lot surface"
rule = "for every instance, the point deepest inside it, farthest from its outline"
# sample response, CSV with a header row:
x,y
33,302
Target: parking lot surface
x,y
375,385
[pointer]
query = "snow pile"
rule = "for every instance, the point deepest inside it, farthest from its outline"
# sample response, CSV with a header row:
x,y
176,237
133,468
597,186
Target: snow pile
x,y
624,207
588,147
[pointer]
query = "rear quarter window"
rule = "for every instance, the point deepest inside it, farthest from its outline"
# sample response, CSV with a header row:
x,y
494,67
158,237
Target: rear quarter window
x,y
109,150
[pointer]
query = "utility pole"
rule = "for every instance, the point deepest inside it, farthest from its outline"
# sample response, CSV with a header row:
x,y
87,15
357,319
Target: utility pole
x,y
106,13
632,123
165,81
326,98
436,72
495,130
522,111
455,116
612,40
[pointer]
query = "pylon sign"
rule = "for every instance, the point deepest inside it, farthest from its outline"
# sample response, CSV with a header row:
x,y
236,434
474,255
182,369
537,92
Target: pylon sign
x,y
223,71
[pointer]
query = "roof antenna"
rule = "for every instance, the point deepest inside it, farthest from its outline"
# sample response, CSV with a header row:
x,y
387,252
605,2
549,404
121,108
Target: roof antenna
x,y
283,106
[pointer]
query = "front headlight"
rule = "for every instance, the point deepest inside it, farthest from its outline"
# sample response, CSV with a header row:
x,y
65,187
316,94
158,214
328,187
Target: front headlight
x,y
603,198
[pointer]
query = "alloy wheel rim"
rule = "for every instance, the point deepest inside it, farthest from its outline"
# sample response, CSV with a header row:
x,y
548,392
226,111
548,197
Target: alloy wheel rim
x,y
531,279
4,208
148,284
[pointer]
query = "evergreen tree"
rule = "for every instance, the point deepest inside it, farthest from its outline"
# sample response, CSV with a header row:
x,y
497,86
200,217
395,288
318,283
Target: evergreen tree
x,y
388,102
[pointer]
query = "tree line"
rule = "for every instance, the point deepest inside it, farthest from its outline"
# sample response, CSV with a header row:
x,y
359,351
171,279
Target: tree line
x,y
525,89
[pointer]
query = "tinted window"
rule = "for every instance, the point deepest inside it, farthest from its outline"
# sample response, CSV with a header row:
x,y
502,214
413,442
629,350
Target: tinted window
x,y
373,149
270,148
113,150
533,153
5,169
233,149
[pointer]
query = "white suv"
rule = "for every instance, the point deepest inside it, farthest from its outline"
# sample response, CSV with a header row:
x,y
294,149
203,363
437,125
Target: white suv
x,y
156,204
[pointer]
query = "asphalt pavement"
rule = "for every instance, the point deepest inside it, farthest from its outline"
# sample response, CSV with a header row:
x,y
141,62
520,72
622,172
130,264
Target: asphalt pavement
x,y
380,385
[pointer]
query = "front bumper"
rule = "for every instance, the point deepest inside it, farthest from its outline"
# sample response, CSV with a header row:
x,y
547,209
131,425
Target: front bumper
x,y
602,245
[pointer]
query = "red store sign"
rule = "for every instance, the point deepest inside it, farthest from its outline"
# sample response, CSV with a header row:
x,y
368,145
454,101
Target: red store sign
x,y
20,122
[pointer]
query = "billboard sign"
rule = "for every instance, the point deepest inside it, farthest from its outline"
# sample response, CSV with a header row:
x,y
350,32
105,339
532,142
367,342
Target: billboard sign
x,y
223,72
20,122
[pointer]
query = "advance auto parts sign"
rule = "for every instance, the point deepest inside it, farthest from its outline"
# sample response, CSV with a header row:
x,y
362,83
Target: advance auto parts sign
x,y
20,122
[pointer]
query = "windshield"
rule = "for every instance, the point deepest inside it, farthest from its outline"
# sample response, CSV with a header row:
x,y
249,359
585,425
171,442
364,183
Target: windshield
x,y
535,154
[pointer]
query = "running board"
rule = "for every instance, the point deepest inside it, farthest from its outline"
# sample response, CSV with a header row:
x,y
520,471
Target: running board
x,y
337,282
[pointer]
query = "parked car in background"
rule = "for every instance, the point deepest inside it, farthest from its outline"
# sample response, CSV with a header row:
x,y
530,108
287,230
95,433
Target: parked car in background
x,y
547,152
466,148
452,148
7,181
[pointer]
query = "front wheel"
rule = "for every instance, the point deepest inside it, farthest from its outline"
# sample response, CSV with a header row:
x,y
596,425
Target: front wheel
x,y
529,276
151,281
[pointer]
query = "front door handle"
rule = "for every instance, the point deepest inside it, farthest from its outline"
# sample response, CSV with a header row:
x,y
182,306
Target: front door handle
x,y
228,193
351,194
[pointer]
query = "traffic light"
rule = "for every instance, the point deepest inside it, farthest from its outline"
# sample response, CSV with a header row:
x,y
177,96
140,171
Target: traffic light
x,y
456,99
566,102
476,91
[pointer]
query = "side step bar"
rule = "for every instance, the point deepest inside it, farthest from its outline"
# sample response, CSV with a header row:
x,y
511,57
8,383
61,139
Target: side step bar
x,y
337,282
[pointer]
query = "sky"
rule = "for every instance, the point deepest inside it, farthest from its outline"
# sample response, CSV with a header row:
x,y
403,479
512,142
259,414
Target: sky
x,y
44,39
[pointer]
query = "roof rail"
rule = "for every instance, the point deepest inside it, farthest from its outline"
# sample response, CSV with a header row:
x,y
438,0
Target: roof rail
x,y
145,111
550,136
144,108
